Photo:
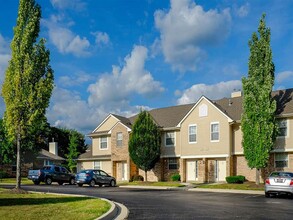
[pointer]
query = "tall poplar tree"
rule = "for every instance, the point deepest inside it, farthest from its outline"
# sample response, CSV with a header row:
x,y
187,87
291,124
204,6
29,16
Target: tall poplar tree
x,y
28,83
258,121
145,142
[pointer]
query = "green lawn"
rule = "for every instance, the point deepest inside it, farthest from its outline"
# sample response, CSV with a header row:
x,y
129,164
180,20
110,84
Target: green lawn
x,y
12,181
45,206
141,183
244,186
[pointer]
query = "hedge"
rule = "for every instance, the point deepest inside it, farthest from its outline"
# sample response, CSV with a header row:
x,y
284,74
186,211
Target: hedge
x,y
235,179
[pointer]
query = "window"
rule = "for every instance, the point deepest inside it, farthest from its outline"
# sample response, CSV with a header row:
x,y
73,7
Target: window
x,y
192,133
172,164
57,169
203,110
170,139
215,131
103,143
97,165
281,160
48,162
282,125
64,170
119,139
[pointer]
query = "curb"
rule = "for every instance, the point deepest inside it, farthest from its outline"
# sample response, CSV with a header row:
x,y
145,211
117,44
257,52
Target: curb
x,y
255,192
117,211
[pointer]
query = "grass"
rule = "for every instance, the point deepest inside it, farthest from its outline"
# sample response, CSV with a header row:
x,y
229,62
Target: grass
x,y
142,183
45,206
12,181
244,186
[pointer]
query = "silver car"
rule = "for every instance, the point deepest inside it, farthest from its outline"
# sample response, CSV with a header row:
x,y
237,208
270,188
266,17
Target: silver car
x,y
279,183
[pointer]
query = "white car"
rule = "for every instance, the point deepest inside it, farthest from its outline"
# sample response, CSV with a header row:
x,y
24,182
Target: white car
x,y
279,183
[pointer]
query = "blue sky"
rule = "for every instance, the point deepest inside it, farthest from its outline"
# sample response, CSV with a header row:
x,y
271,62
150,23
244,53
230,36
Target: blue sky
x,y
117,56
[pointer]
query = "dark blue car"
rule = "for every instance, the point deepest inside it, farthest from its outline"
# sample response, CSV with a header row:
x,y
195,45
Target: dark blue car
x,y
94,177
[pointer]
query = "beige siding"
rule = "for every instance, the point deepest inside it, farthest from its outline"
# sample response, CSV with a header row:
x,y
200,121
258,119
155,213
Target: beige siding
x,y
237,139
170,151
204,146
285,143
106,166
107,124
96,146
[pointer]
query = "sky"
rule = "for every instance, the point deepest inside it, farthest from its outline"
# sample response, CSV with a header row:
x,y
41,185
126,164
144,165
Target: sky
x,y
113,56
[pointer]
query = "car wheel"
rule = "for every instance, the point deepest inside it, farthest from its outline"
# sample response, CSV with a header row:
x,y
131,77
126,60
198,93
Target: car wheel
x,y
36,182
112,183
267,195
80,184
48,181
72,181
60,183
92,183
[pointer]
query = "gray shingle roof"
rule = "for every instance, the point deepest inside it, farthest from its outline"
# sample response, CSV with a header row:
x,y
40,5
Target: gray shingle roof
x,y
44,154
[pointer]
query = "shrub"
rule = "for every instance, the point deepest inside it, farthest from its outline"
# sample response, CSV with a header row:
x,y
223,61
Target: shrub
x,y
3,174
136,178
235,179
175,177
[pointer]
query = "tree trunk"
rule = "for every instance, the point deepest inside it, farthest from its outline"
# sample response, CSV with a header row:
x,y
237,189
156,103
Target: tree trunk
x,y
257,177
18,169
145,176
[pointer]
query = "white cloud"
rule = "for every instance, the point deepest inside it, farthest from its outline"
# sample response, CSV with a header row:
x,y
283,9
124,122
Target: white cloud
x,y
283,76
216,91
64,39
75,79
5,56
67,42
102,38
68,109
77,5
185,28
243,10
119,85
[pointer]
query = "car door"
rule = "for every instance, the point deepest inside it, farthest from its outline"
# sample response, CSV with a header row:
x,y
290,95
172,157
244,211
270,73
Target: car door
x,y
97,176
57,175
65,174
105,177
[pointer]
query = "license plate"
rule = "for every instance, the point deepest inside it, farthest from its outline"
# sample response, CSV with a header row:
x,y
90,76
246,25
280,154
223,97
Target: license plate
x,y
279,180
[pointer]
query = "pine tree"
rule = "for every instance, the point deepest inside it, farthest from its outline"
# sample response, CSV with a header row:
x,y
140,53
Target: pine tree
x,y
145,142
258,121
28,83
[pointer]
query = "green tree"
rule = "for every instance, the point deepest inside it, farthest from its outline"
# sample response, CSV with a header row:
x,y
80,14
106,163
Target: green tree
x,y
72,151
7,153
145,142
258,121
62,136
28,83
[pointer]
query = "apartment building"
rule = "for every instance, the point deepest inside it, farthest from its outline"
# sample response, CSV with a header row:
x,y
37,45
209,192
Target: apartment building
x,y
201,141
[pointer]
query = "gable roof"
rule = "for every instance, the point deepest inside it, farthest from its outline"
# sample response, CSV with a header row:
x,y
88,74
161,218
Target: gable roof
x,y
46,155
168,117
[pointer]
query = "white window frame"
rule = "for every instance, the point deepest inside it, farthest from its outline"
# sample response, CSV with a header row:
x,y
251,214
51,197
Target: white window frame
x,y
280,160
103,142
287,127
192,142
170,145
119,142
97,167
211,132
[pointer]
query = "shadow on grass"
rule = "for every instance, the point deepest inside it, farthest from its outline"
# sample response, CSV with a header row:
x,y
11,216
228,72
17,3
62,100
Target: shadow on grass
x,y
39,201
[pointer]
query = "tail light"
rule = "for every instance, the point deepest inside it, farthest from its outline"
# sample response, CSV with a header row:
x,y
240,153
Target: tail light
x,y
268,181
291,183
87,174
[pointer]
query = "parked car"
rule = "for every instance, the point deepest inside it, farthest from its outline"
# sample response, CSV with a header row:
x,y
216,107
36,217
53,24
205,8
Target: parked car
x,y
94,177
51,173
279,183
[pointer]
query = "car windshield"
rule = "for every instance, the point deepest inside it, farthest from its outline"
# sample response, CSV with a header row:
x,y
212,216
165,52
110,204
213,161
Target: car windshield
x,y
281,174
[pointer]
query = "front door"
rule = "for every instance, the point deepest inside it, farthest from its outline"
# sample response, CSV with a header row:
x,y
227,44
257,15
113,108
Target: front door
x,y
192,170
221,170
